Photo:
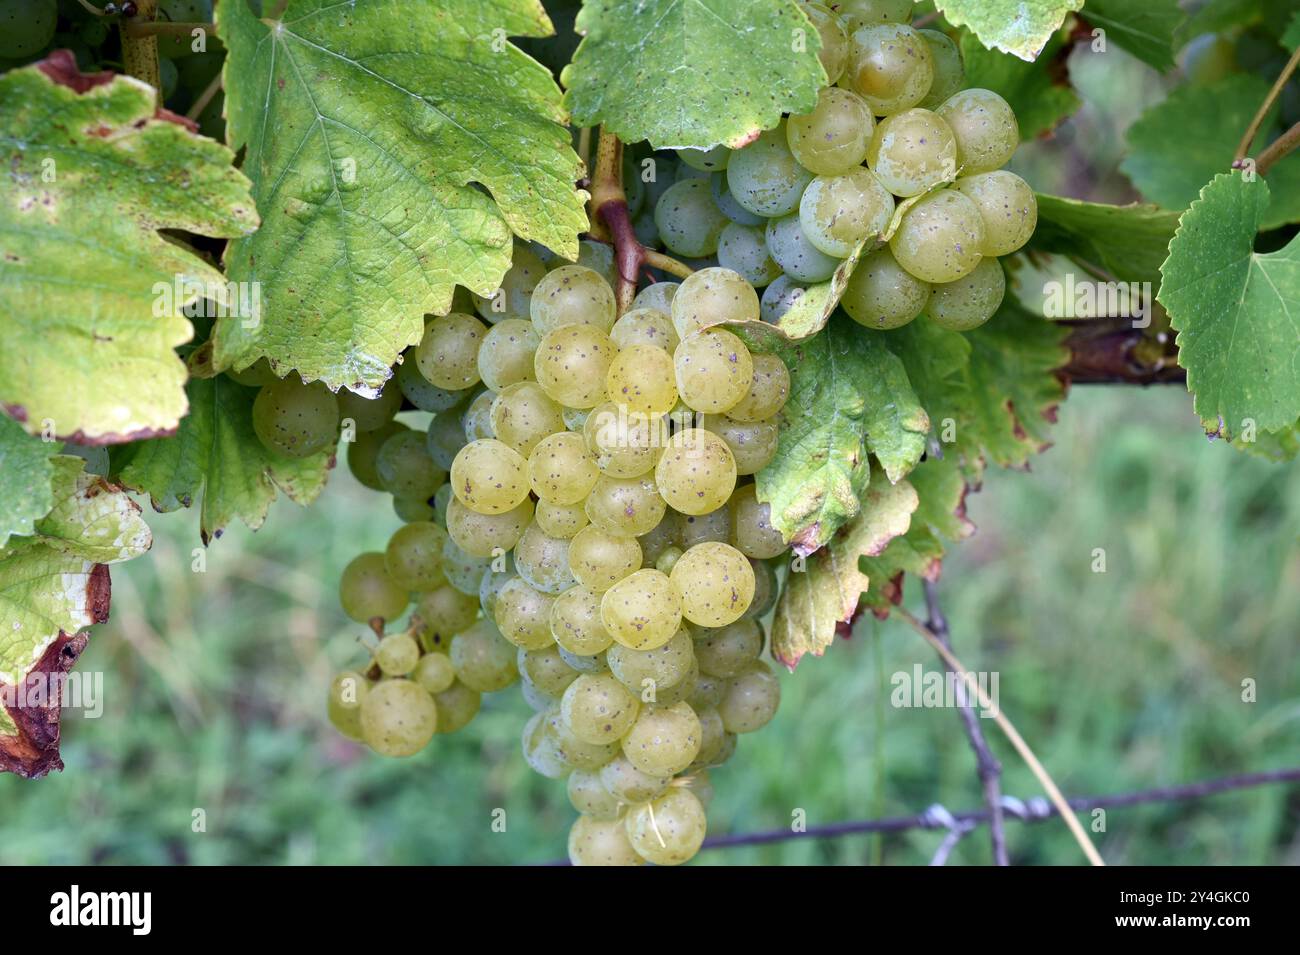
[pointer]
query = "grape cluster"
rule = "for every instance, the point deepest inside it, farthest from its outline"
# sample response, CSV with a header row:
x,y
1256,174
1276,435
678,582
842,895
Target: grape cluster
x,y
785,210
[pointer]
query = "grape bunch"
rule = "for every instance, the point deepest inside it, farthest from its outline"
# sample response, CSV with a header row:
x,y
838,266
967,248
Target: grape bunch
x,y
896,126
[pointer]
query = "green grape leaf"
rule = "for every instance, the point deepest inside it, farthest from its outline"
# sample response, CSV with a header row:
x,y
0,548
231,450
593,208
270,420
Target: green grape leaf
x,y
1179,145
1291,38
1039,100
823,592
217,459
1018,27
1237,312
1145,29
25,493
92,518
89,321
393,148
692,73
1130,242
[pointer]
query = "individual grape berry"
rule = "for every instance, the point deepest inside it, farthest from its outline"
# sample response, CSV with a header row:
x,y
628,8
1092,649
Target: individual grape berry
x,y
366,591
626,444
939,239
561,520
595,841
890,67
445,612
882,294
398,718
833,138
765,178
543,560
510,300
546,671
949,72
710,296
642,379
768,390
970,301
598,559
522,415
413,558
363,454
913,151
447,355
732,209
477,419
457,705
645,326
294,419
670,829
597,256
752,532
689,221
791,249
753,444
698,528
480,535
575,622
598,709
422,393
714,370
523,614
256,375
506,355
707,694
726,651
434,673
1007,206
572,295
483,658
560,470
838,212
489,477
834,52
370,414
576,753
985,127
860,13
743,250
628,783
541,748
751,700
397,654
641,611
571,364
343,704
697,472
705,160
588,795
28,27
647,673
411,510
715,582
405,468
625,506
664,740
779,297
658,296
667,560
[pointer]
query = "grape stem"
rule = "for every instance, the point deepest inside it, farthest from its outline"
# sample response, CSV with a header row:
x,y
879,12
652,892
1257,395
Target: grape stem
x,y
205,97
136,28
1282,146
92,9
140,53
1261,114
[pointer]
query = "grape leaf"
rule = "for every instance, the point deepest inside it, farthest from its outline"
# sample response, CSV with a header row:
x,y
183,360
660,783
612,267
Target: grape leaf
x,y
25,493
88,326
825,592
1018,27
692,73
217,459
92,518
393,147
1237,312
1130,242
1039,101
1291,38
1145,29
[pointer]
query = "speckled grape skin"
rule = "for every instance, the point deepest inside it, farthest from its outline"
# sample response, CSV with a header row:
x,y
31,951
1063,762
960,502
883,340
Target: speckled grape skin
x,y
714,370
657,669
726,651
949,72
571,364
477,419
837,212
465,571
541,749
779,297
598,709
489,477
523,414
769,389
713,295
572,294
659,538
446,611
413,556
752,444
625,444
860,13
658,296
939,238
765,589
697,528
713,739
689,221
405,468
732,209
490,584
457,706
397,654
707,692
483,658
985,127
599,559
625,506
506,355
882,294
705,160
420,392
743,250
628,783
368,414
398,718
716,584
833,138
834,52
511,300
575,622
751,700
697,472
600,842
790,247
546,669
970,301
367,591
664,739
447,355
560,469
434,673
575,752
642,378
445,437
645,326
1007,205
561,520
765,178
752,532
543,560
670,829
478,535
890,67
642,610
912,151
523,614
588,795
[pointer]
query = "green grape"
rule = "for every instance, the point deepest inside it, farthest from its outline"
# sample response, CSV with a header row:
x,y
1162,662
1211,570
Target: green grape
x,y
833,138
668,830
985,127
743,250
664,740
510,300
645,230
506,355
343,704
658,296
597,256
560,470
483,658
838,212
397,654
627,783
28,27
598,709
641,611
363,454
477,420
464,571
457,705
765,178
642,379
480,535
939,238
543,560
445,611
575,622
595,841
588,795
697,472
541,748
882,294
790,247
727,651
413,558
710,296
707,694
296,420
633,185
537,701
725,201
689,221
625,506
398,718
585,664
714,370
560,520
546,670
834,52
370,414
523,614
645,326
434,673
715,582
705,160
913,151
405,468
440,499
751,700
890,66
445,437
447,355
366,591
571,364
413,509
752,532
423,394
949,73
572,295
860,13
768,390
659,538
491,584
523,414
667,560
969,302
489,477
714,742
779,297
765,590
698,528
256,375
576,753
752,444
599,559
1007,207
625,444
648,673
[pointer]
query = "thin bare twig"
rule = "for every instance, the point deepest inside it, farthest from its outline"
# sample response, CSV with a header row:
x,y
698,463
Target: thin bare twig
x,y
1283,146
209,91
1243,148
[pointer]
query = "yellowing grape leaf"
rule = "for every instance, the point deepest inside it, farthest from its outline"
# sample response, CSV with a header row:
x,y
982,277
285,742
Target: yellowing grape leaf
x,y
89,318
1019,27
92,518
393,148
